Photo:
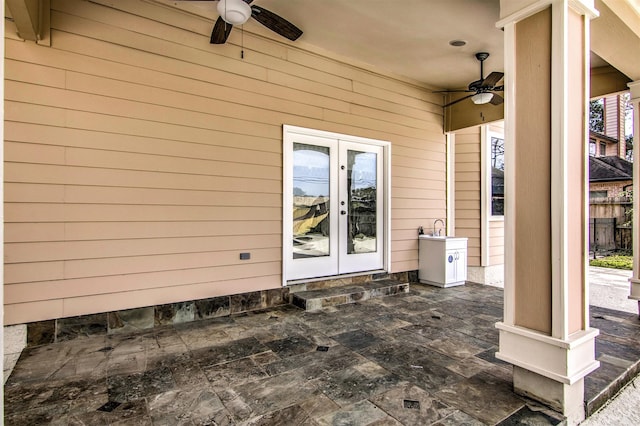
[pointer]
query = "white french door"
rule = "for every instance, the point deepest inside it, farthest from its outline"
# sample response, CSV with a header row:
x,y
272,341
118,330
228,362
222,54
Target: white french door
x,y
334,205
361,219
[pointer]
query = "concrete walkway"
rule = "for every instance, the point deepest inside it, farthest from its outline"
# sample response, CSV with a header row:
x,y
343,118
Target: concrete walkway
x,y
609,289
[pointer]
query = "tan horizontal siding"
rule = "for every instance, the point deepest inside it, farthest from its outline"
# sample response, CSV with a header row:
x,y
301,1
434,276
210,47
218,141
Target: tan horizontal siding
x,y
409,265
416,203
496,242
409,245
140,160
24,292
49,251
58,174
85,231
417,194
228,147
27,193
46,154
67,212
467,191
68,269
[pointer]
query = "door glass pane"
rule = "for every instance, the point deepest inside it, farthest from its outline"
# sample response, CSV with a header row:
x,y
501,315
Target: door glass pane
x,y
362,188
310,201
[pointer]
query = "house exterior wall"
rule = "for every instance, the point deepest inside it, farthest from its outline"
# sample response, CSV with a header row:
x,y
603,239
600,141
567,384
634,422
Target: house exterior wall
x,y
614,122
611,116
140,160
612,148
468,191
496,242
614,189
496,224
468,206
614,205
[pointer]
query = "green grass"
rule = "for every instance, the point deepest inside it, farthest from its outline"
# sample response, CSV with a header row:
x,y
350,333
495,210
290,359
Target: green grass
x,y
616,262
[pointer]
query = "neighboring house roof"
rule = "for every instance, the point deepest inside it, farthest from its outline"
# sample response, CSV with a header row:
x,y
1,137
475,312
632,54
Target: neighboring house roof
x,y
601,136
611,168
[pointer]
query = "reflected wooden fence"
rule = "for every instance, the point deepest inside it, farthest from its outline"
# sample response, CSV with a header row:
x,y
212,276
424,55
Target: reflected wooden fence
x,y
605,235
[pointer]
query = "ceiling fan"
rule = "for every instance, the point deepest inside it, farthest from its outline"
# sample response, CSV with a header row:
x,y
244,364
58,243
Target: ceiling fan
x,y
482,89
237,12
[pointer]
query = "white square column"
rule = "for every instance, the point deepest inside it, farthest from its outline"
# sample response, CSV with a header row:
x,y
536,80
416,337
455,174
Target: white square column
x,y
545,333
634,281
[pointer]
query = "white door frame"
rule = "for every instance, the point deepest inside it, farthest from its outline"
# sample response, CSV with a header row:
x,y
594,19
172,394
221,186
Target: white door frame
x,y
290,134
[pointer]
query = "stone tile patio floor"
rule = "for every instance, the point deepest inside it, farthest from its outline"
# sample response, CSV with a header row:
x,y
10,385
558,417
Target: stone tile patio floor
x,y
419,358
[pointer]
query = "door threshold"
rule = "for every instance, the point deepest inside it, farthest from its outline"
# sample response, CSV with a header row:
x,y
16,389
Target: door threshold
x,y
335,277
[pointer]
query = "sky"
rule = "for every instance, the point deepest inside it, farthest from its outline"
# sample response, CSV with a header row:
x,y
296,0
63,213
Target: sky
x,y
311,171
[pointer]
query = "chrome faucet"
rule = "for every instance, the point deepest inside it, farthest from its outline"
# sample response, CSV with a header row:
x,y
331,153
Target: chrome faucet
x,y
437,234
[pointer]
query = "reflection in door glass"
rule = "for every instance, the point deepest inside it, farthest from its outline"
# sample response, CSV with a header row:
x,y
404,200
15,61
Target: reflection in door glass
x,y
361,187
310,201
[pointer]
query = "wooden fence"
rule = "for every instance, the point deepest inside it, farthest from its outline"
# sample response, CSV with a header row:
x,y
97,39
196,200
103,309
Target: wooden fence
x,y
606,235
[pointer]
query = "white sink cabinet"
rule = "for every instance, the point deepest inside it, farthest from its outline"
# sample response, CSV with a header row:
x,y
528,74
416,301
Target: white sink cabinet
x,y
442,260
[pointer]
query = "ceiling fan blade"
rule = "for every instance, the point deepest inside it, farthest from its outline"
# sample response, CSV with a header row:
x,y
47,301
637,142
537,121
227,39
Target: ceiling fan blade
x,y
496,99
276,23
220,32
492,79
457,100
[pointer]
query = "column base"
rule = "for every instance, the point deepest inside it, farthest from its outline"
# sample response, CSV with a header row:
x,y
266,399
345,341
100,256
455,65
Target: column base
x,y
564,398
634,291
634,288
548,369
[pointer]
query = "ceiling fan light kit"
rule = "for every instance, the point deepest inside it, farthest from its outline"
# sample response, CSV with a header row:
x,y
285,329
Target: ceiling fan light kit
x,y
234,12
237,12
483,88
482,98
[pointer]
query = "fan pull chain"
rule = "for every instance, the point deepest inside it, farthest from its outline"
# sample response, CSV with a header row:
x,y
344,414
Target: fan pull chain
x,y
242,42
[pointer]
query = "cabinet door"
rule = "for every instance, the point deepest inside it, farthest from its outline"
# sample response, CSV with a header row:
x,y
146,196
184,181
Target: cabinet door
x,y
451,266
461,265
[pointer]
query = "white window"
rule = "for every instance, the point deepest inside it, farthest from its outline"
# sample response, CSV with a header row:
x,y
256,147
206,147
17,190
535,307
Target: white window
x,y
497,175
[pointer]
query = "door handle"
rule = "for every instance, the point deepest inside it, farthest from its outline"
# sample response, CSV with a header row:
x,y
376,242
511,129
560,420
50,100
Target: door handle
x,y
343,212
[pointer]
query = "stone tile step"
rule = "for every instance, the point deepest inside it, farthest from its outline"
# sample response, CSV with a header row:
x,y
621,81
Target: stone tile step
x,y
312,300
614,380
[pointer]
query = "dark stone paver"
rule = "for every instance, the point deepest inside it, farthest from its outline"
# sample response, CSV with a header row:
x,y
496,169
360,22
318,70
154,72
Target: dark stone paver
x,y
422,357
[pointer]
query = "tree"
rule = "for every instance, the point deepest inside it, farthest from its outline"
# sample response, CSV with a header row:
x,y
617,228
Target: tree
x,y
628,126
596,115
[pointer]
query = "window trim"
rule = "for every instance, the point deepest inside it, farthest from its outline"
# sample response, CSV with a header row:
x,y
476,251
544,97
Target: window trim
x,y
486,218
488,184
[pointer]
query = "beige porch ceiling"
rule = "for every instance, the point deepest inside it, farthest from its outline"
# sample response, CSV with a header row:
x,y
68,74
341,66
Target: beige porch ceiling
x,y
411,38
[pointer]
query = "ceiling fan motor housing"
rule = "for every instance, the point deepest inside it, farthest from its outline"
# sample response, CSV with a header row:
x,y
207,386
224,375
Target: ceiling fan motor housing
x,y
475,85
234,12
481,56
